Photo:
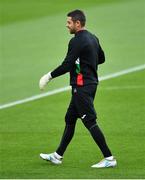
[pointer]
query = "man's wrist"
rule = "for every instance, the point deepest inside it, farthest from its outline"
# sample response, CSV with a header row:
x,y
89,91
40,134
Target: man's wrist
x,y
49,76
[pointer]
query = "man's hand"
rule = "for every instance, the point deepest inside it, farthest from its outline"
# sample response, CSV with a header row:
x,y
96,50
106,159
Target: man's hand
x,y
44,80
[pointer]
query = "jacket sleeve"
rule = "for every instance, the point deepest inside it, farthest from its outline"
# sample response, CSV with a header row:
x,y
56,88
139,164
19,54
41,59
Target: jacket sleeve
x,y
101,56
69,61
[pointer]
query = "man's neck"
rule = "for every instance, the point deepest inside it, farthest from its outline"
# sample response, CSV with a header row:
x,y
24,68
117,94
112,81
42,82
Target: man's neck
x,y
81,29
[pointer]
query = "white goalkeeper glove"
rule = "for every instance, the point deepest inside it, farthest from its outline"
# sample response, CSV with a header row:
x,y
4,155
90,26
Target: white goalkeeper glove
x,y
44,80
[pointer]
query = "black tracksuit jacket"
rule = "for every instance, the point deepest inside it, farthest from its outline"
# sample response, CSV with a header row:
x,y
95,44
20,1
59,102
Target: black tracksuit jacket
x,y
82,59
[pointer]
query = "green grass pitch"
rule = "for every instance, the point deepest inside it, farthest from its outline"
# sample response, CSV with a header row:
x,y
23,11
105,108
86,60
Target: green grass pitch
x,y
34,40
32,128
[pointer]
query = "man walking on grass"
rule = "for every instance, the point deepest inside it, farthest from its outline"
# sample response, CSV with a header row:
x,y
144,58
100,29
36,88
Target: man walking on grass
x,y
82,60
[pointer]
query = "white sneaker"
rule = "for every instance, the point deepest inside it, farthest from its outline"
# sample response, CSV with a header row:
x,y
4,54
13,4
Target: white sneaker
x,y
53,157
105,163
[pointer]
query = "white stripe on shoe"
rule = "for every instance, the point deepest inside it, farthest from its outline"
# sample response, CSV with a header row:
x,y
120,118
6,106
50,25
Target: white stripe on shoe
x,y
105,164
51,158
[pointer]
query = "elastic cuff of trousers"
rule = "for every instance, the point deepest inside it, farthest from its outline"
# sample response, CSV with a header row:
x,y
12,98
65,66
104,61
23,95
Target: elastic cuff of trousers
x,y
57,156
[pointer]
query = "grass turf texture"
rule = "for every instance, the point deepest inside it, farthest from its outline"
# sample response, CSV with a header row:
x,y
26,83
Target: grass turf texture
x,y
35,127
30,45
33,40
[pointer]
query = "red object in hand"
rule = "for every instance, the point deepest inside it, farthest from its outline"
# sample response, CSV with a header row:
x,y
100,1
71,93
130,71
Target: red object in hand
x,y
80,81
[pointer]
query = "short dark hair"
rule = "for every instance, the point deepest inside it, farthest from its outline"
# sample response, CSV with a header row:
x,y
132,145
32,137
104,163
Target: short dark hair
x,y
78,15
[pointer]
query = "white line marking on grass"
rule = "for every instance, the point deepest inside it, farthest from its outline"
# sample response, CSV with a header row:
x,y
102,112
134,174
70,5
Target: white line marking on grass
x,y
109,76
120,73
32,98
122,87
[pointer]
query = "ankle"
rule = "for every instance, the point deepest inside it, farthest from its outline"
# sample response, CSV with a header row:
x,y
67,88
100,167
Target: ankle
x,y
109,158
57,156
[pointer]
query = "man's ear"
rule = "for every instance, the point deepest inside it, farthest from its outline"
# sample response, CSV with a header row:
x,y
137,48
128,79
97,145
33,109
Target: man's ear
x,y
78,23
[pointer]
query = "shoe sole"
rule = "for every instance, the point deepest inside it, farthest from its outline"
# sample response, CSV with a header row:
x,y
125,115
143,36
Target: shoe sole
x,y
105,167
50,161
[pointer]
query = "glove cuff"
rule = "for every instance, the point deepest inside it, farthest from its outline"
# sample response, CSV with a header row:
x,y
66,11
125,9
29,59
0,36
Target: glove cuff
x,y
49,77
